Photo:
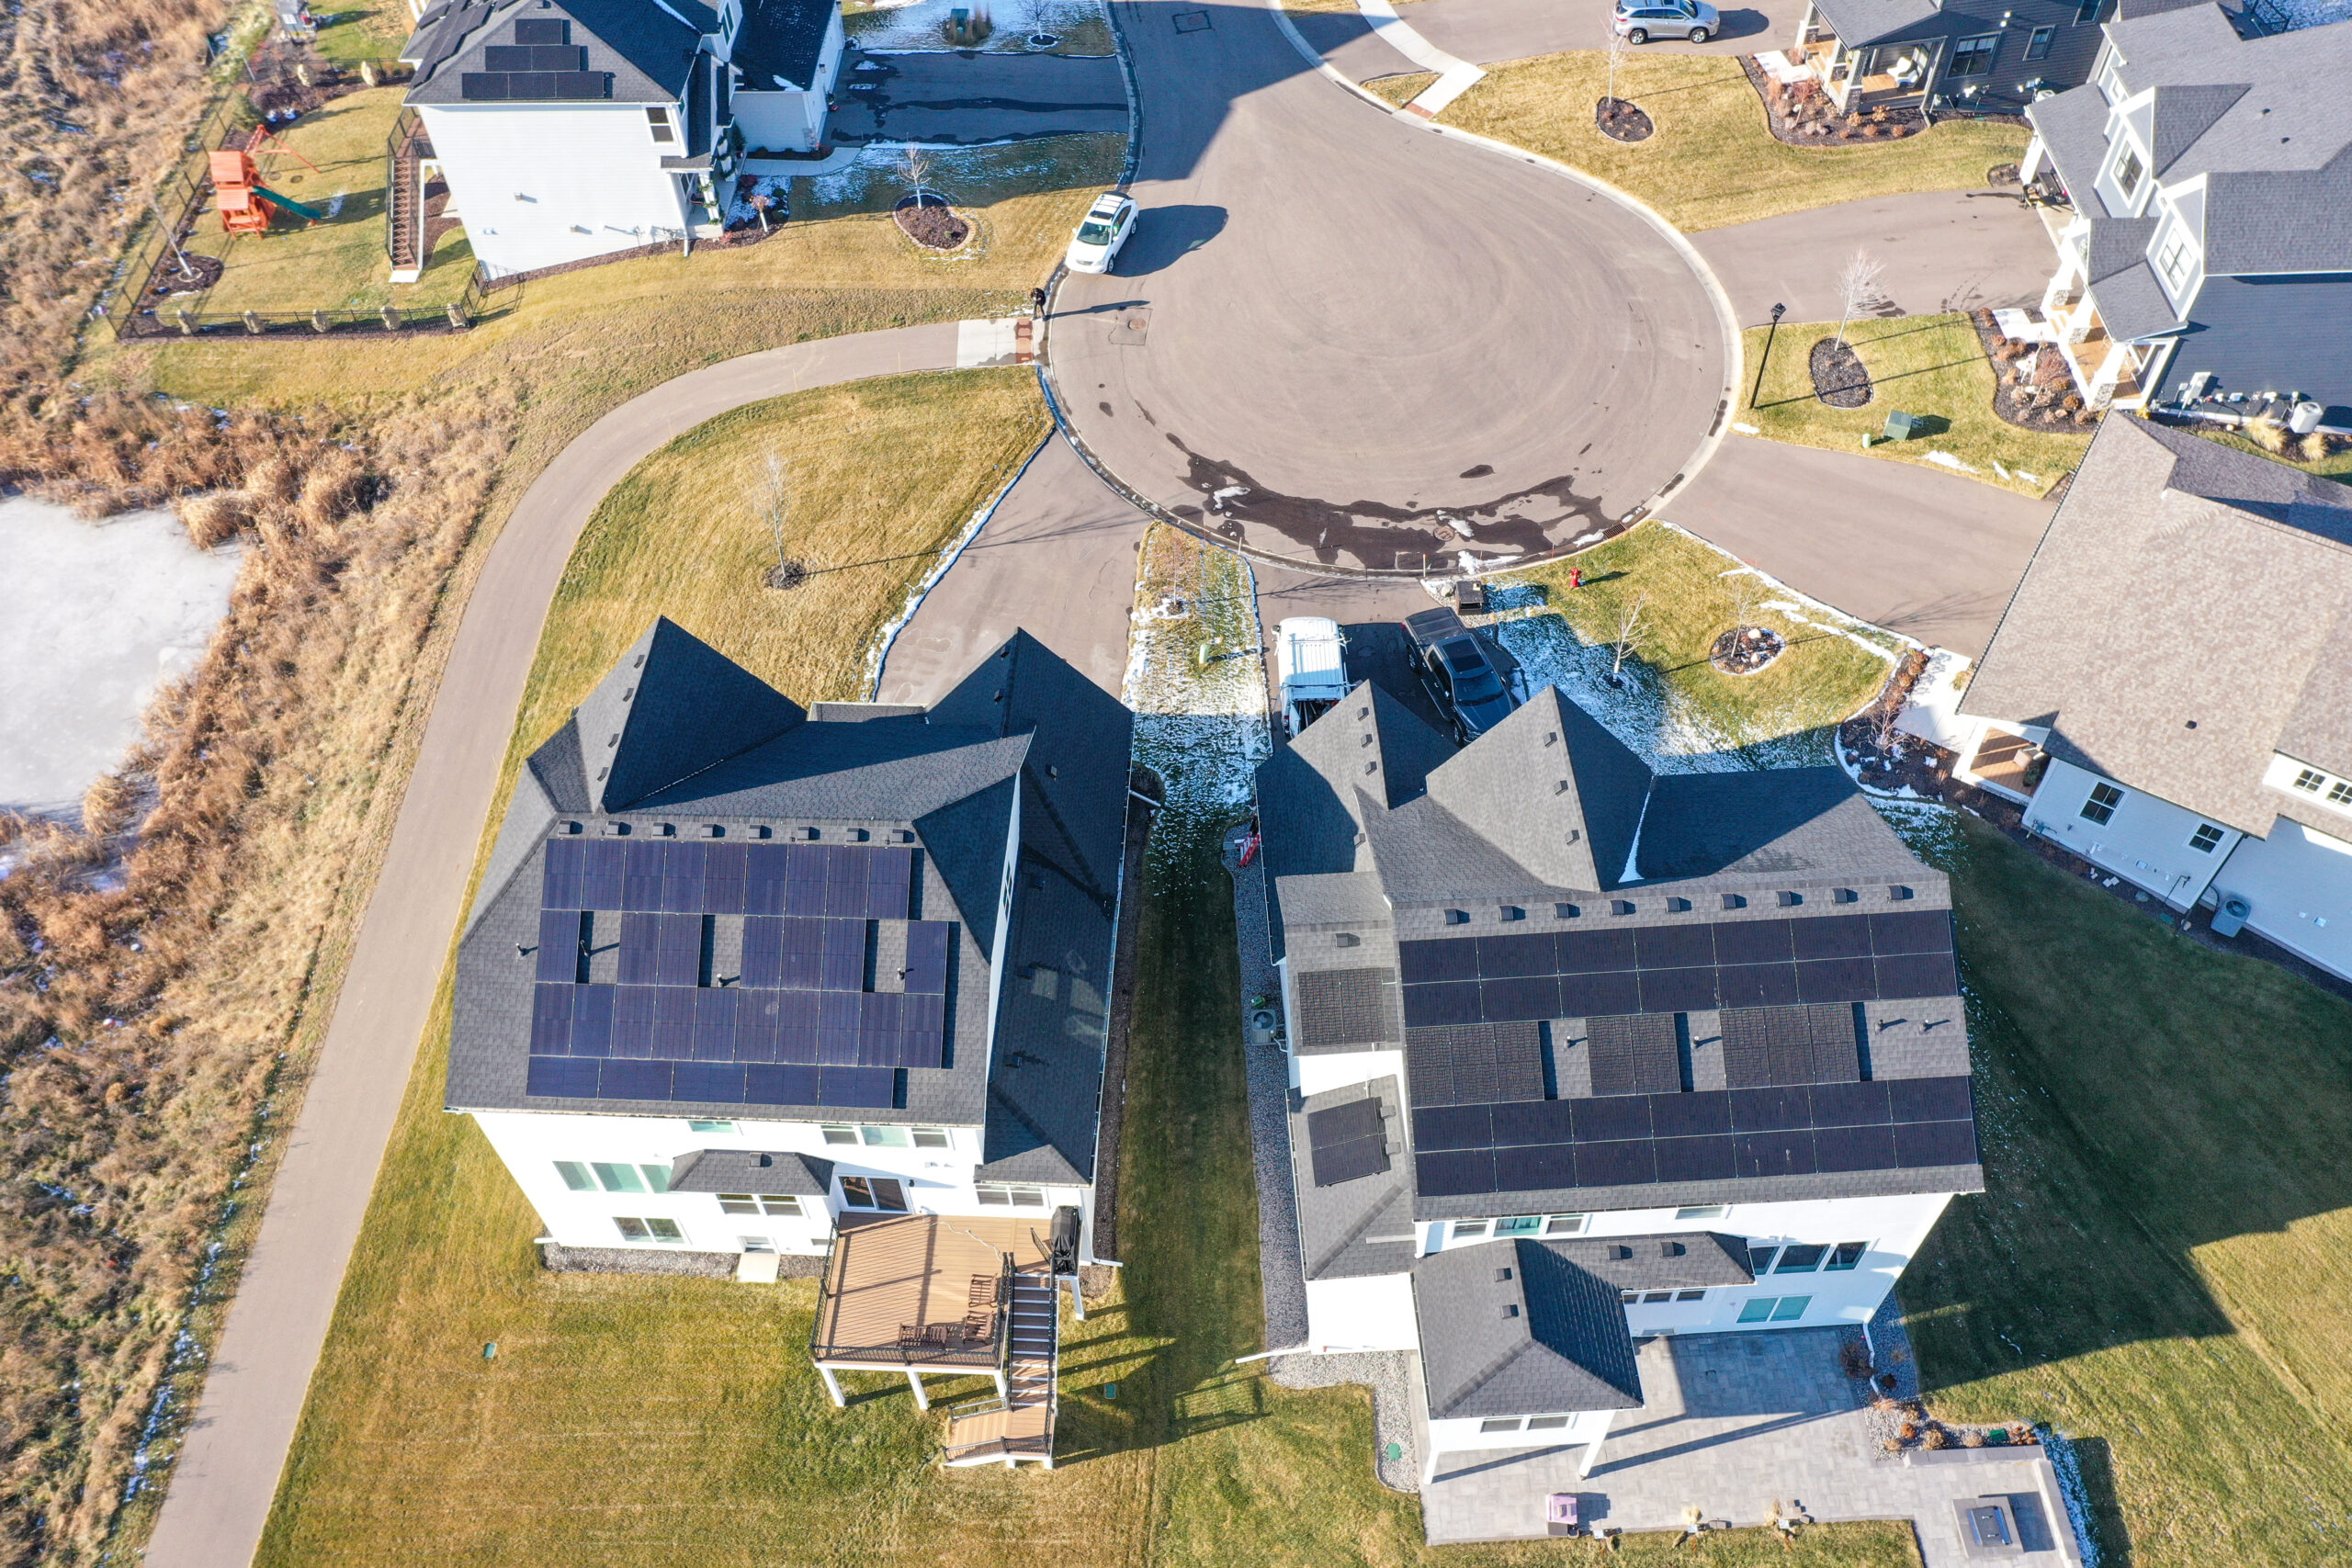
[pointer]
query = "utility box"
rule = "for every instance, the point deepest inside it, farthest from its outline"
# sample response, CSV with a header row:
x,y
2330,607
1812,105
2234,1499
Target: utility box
x,y
2230,917
1901,426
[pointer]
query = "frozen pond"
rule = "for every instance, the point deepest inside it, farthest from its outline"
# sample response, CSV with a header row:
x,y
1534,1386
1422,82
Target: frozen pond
x,y
93,618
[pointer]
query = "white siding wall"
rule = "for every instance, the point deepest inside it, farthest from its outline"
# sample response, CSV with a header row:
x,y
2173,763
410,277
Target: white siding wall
x,y
1583,1426
937,1181
2145,842
2299,882
544,184
777,121
1337,1069
1373,1313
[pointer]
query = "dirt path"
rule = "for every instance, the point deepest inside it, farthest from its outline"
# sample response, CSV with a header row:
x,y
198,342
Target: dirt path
x,y
226,1476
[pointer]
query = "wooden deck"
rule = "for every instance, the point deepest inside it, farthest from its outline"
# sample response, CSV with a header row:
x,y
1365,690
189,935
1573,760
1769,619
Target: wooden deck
x,y
930,1275
2002,759
1019,1427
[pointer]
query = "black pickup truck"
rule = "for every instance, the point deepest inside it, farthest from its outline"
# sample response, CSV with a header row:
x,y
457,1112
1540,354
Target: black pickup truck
x,y
1462,679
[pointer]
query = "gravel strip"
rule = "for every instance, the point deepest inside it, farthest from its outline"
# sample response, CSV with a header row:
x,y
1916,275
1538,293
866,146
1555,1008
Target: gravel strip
x,y
1282,1275
1389,1374
561,1260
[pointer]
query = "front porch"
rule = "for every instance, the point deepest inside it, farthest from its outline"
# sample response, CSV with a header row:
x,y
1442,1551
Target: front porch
x,y
1859,80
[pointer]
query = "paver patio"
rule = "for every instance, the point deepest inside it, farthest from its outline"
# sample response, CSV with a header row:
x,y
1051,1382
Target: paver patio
x,y
1734,1423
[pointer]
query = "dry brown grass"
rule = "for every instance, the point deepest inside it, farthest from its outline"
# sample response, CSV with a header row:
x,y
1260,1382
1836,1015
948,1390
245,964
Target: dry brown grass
x,y
155,995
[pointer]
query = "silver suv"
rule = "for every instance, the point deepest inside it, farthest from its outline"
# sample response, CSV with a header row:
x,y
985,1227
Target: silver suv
x,y
1641,21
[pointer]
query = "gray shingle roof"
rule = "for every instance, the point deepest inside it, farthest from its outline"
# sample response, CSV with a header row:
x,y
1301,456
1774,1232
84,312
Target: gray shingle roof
x,y
1517,1330
672,706
2148,630
1352,1229
1553,790
748,1170
645,47
780,42
1681,1261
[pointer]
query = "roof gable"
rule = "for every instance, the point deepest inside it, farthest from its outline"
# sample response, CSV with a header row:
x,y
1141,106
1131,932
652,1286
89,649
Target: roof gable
x,y
1525,1332
671,708
1551,789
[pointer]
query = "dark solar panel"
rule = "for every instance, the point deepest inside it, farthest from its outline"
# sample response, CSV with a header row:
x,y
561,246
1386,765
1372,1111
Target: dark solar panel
x,y
1584,952
1424,963
1849,1104
1691,1115
1527,999
1621,1116
1345,1007
539,57
1450,1173
1536,1167
1615,1165
1831,936
1695,1159
1474,1063
1500,957
1453,1127
1789,1045
541,30
559,955
780,1085
1912,930
1854,1148
1934,1142
1675,947
1836,980
869,1088
1345,1141
1752,941
1917,974
1677,990
1929,1099
1594,995
1534,1122
1637,1054
1755,985
927,956
1786,1153
1453,1002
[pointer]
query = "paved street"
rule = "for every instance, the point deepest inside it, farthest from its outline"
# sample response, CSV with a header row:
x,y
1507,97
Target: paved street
x,y
971,98
1058,557
1925,553
1734,1423
1943,250
1490,31
1332,326
223,1479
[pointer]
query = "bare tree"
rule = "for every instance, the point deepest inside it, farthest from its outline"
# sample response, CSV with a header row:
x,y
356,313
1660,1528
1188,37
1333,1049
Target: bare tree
x,y
1744,586
1621,646
1857,283
776,506
917,164
1618,45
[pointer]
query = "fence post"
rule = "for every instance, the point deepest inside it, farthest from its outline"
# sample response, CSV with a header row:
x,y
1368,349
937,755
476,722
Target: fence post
x,y
458,320
253,323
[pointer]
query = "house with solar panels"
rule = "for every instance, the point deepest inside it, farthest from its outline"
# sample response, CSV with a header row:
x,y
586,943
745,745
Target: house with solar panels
x,y
572,129
1585,1054
746,978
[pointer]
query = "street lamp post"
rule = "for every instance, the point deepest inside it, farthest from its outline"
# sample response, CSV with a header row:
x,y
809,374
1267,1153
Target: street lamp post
x,y
1769,332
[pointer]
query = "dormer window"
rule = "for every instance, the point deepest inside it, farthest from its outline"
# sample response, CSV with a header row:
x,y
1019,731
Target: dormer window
x,y
2173,260
2128,170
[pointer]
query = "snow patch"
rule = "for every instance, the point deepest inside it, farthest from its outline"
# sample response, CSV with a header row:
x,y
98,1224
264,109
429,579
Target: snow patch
x,y
1746,429
1946,460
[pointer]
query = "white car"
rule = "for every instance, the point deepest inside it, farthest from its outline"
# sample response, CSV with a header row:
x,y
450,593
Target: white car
x,y
1108,223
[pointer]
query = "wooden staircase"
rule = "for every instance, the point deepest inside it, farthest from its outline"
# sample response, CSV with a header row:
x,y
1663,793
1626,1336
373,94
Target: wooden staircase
x,y
404,157
1019,1427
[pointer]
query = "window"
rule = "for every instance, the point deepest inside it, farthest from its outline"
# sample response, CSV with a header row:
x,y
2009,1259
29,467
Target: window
x,y
886,1137
1703,1211
756,1243
1519,1225
575,1176
710,1127
2037,43
1629,1297
2128,172
2339,794
2206,840
657,1177
932,1138
1759,1259
1469,1230
2101,806
1546,1423
874,1192
1973,56
841,1134
2309,781
2173,260
1507,1424
1774,1308
1845,1255
633,1178
1690,1295
1563,1225
2087,12
1012,1197
663,1232
1801,1259
1657,1296
750,1204
658,120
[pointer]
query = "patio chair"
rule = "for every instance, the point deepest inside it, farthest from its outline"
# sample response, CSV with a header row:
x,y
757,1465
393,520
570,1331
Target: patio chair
x,y
910,1335
983,1291
942,1335
977,1327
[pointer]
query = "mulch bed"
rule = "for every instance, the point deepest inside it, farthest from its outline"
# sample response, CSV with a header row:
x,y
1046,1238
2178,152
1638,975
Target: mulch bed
x,y
1839,379
169,280
1621,122
1802,116
933,225
1743,650
2031,387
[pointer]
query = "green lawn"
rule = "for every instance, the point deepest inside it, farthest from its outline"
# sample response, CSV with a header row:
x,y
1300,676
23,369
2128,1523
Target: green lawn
x,y
1711,161
339,263
1825,675
349,34
2157,1270
1933,365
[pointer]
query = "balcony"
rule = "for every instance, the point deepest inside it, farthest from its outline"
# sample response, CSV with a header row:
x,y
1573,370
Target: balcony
x,y
922,1292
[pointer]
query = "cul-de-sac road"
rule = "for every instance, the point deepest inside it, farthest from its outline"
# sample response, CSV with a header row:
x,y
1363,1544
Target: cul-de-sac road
x,y
1335,337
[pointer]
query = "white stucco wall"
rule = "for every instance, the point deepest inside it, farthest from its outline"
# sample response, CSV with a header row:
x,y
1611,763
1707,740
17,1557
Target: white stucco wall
x,y
2145,842
542,184
938,1180
2299,883
1373,1313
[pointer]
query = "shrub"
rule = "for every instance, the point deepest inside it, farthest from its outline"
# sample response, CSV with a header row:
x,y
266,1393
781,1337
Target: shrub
x,y
1971,1438
1908,1430
2070,401
1855,1357
1891,1445
2316,447
2270,434
215,517
1936,1438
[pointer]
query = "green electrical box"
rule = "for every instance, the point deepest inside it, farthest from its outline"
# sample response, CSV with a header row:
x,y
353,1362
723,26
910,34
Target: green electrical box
x,y
1901,426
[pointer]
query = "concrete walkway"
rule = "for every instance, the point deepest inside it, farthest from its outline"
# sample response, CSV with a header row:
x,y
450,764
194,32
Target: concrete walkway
x,y
226,1475
1929,554
1057,558
1736,1422
1943,250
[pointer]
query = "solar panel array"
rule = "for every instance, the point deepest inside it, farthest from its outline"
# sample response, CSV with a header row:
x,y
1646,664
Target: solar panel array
x,y
1346,1006
1637,1054
1474,1063
1784,1046
1680,968
1707,1135
797,1027
1344,1141
535,86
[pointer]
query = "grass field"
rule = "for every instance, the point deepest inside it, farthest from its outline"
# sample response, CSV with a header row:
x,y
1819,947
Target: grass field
x,y
1933,365
2157,1268
1689,600
337,265
1711,161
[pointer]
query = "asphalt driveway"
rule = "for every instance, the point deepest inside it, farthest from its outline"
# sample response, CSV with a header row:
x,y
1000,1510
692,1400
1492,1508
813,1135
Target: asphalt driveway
x,y
1488,32
1338,336
965,97
1943,250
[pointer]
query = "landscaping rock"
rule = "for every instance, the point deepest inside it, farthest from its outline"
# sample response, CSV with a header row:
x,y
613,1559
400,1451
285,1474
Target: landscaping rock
x,y
1839,379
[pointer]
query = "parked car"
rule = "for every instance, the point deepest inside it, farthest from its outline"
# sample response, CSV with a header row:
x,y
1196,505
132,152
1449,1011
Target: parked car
x,y
1463,682
1641,21
1108,223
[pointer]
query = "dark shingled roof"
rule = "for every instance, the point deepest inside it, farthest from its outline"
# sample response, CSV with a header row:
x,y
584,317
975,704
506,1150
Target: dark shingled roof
x,y
646,48
780,42
748,1170
703,741
1361,1226
1520,1330
1681,1261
